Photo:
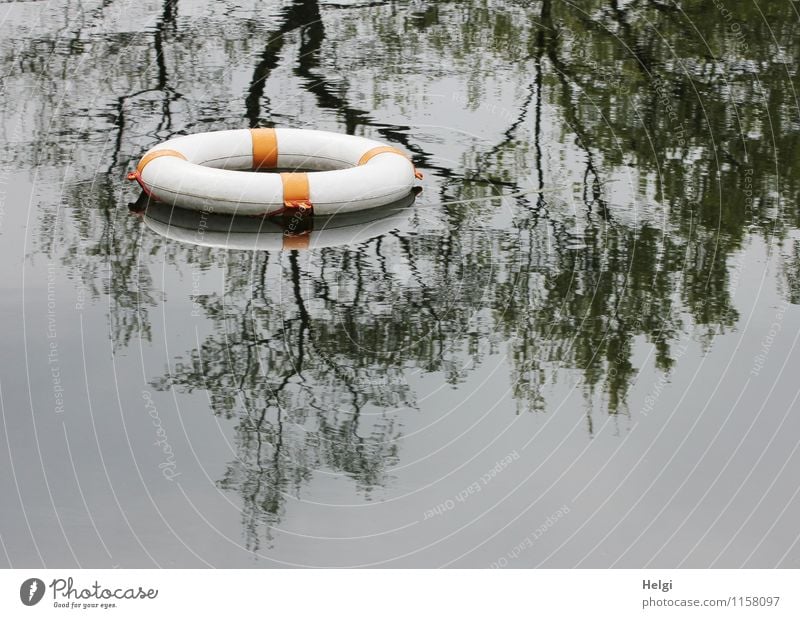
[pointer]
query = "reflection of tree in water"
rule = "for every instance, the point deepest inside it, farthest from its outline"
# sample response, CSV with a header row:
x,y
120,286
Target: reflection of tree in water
x,y
312,359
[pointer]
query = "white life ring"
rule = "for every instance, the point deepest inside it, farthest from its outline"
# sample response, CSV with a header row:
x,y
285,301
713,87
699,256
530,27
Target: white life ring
x,y
203,171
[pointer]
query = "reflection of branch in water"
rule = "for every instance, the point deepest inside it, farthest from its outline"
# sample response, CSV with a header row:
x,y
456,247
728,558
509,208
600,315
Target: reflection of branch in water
x,y
293,17
548,41
305,320
510,132
167,22
260,477
308,60
634,45
537,130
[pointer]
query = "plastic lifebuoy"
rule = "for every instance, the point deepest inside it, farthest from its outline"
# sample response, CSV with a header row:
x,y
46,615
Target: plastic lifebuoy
x,y
203,171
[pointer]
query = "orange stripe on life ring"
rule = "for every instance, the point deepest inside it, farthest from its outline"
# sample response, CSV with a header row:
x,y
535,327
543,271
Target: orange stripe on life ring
x,y
380,150
296,241
265,148
155,155
295,190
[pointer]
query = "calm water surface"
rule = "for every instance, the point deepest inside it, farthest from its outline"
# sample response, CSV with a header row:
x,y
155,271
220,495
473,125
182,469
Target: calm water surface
x,y
576,347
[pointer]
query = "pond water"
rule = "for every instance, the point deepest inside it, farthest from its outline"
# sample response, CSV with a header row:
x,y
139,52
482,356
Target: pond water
x,y
576,347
